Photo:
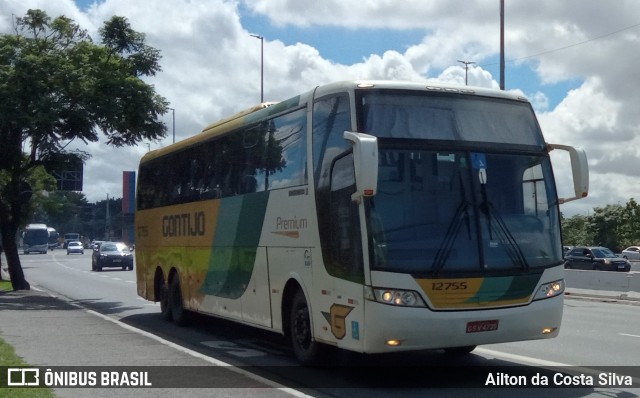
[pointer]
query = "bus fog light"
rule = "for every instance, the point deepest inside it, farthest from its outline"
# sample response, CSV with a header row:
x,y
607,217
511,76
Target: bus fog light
x,y
548,330
393,343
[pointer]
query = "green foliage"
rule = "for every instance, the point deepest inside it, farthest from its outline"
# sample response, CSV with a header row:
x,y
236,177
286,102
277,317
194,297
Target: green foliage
x,y
57,86
612,226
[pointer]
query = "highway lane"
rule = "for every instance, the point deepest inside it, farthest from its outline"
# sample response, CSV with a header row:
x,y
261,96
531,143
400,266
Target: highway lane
x,y
594,334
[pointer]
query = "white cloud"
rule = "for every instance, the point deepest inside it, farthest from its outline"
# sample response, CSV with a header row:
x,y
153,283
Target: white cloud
x,y
211,65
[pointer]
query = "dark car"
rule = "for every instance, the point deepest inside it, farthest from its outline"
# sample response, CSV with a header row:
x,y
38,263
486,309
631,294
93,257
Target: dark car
x,y
112,254
595,258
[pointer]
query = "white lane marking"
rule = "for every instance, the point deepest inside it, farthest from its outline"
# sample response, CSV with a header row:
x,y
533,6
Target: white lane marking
x,y
196,354
629,335
91,272
520,358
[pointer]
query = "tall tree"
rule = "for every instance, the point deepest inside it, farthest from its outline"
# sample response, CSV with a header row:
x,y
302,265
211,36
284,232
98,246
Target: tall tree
x,y
57,85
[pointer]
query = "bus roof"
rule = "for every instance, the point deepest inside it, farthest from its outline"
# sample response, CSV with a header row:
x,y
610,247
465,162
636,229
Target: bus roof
x,y
266,109
36,226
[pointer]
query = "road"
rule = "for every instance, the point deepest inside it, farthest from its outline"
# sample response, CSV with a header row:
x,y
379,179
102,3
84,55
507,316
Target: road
x,y
595,335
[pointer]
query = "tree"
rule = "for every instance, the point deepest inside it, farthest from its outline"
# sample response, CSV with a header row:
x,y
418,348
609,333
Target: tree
x,y
57,85
575,231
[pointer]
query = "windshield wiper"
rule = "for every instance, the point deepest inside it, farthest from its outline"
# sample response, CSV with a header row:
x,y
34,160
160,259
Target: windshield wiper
x,y
442,255
461,215
505,236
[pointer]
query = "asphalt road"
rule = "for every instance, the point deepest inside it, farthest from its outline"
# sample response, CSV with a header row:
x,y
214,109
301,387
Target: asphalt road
x,y
595,335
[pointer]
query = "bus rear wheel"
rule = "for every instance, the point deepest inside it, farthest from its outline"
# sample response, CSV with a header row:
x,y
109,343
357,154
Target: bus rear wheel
x,y
176,306
306,351
165,309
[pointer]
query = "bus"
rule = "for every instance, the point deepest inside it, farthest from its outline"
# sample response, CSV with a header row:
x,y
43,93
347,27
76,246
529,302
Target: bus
x,y
35,239
53,238
372,216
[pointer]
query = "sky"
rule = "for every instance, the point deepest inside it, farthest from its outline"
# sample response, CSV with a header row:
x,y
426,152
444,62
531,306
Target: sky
x,y
576,61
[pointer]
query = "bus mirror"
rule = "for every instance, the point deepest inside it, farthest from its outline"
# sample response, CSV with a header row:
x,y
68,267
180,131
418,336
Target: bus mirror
x,y
365,159
580,170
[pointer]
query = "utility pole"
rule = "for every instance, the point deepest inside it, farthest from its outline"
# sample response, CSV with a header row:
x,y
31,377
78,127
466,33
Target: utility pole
x,y
173,118
466,71
261,66
501,44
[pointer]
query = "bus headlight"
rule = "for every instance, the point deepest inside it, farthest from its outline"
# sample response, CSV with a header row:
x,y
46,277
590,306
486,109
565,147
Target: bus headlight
x,y
399,297
551,289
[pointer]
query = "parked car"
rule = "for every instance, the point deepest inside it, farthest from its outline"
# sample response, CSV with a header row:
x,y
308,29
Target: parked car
x,y
596,258
112,254
631,253
75,247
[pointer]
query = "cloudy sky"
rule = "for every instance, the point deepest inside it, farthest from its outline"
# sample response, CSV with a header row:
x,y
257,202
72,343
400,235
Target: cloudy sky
x,y
576,60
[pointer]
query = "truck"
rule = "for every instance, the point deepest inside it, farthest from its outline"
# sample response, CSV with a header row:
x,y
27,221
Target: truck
x,y
71,236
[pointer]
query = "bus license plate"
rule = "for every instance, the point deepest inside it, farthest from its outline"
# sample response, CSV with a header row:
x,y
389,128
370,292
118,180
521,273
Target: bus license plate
x,y
482,326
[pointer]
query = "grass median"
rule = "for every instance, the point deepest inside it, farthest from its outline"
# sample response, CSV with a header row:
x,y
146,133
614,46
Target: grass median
x,y
8,358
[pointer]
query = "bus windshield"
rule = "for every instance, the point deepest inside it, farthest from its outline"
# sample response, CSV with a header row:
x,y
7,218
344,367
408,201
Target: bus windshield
x,y
449,201
459,117
441,212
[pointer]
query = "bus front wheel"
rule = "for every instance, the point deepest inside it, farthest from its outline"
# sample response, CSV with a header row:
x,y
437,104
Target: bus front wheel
x,y
305,349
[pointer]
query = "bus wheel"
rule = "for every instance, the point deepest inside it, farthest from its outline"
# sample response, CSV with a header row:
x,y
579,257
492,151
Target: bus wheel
x,y
165,309
304,348
460,350
176,306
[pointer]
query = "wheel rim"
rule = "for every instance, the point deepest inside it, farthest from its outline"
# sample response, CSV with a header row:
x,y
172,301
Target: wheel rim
x,y
302,328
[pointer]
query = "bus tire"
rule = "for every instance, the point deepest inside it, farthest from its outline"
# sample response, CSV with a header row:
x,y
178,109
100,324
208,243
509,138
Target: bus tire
x,y
176,306
305,349
457,351
165,308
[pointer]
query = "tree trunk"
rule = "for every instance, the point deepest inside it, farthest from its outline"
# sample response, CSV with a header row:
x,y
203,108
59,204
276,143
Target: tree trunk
x,y
9,232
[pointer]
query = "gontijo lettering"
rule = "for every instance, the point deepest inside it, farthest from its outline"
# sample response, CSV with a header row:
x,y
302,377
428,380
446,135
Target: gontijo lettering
x,y
186,224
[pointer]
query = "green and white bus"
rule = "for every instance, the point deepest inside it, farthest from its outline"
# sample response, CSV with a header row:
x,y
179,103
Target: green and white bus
x,y
368,215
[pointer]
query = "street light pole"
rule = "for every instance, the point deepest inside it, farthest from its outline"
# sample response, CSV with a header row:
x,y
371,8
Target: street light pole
x,y
501,44
261,65
173,118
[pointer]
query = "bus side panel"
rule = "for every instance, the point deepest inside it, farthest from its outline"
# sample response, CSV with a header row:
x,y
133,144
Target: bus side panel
x,y
289,233
256,300
287,263
178,236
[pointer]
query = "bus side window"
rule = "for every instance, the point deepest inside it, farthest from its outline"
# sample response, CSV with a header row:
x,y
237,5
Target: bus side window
x,y
346,256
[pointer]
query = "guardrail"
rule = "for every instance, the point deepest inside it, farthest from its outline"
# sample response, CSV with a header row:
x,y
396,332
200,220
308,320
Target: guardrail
x,y
603,280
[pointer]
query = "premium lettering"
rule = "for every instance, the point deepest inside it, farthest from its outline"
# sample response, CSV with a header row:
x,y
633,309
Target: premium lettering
x,y
186,224
285,224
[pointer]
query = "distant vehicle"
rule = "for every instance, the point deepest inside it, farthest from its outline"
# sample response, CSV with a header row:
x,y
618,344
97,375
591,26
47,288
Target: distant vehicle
x,y
596,258
53,238
72,236
75,247
631,253
112,254
35,239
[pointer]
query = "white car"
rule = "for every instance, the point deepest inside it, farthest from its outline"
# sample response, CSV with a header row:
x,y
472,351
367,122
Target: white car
x,y
75,247
631,253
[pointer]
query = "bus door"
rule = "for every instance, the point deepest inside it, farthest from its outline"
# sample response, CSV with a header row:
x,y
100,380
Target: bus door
x,y
342,306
